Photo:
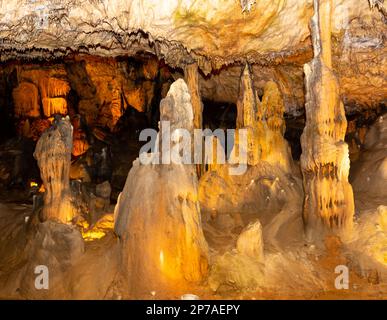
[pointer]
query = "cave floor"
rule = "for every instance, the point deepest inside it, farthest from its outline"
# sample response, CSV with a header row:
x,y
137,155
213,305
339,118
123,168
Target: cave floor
x,y
101,255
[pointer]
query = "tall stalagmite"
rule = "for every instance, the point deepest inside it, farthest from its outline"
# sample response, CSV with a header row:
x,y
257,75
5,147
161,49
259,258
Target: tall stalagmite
x,y
157,216
268,181
324,160
264,123
53,153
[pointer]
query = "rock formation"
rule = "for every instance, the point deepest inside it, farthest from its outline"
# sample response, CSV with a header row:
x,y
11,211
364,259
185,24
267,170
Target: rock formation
x,y
270,178
53,153
370,171
26,101
158,215
324,160
264,122
192,79
191,74
250,241
80,143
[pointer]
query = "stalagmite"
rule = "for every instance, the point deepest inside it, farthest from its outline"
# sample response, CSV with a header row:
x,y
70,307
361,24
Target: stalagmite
x,y
274,148
264,123
53,153
324,160
158,215
247,100
269,181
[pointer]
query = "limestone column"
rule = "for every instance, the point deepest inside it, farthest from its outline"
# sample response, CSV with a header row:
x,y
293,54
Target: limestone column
x,y
53,153
328,203
191,74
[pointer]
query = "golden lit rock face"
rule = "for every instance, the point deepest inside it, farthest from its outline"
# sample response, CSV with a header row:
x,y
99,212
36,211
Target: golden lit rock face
x,y
39,86
26,100
107,87
53,106
324,160
157,216
53,153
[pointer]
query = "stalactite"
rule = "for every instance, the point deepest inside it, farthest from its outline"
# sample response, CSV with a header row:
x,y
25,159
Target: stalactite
x,y
53,153
324,160
53,106
53,87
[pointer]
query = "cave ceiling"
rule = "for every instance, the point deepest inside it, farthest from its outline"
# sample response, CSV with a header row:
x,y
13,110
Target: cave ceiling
x,y
219,35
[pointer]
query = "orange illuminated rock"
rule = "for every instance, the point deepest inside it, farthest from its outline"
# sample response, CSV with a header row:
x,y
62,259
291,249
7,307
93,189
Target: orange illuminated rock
x,y
80,143
38,126
158,215
150,68
80,146
26,100
40,86
53,106
136,98
53,87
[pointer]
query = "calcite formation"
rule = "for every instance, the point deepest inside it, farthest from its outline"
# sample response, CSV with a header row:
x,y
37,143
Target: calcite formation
x,y
370,172
157,216
26,99
80,143
329,200
53,153
264,123
269,180
250,241
41,87
192,79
